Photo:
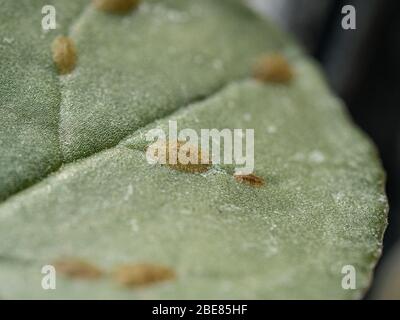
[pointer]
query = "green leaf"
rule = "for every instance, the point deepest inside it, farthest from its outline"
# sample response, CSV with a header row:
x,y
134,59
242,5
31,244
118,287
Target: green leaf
x,y
323,205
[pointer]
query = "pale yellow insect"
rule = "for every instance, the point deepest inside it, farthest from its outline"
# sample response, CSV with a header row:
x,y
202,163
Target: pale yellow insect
x,y
250,179
142,274
164,150
273,68
64,54
77,268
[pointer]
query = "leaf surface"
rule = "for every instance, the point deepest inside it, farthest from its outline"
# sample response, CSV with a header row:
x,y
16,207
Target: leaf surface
x,y
323,205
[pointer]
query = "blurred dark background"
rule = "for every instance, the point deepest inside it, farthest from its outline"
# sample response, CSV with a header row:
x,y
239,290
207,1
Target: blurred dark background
x,y
363,67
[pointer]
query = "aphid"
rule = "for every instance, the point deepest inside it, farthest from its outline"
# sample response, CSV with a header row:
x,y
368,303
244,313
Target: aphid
x,y
164,150
250,179
77,268
116,6
142,274
64,54
273,68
